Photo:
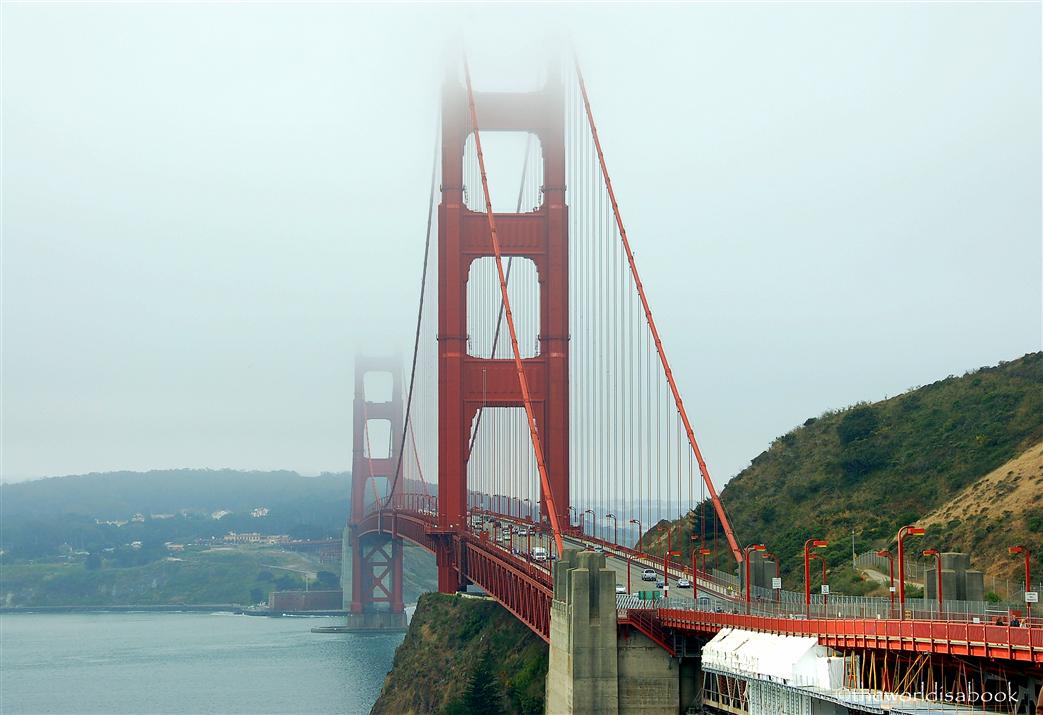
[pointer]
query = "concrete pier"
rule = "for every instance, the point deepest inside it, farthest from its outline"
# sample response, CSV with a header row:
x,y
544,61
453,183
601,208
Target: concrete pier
x,y
582,668
592,669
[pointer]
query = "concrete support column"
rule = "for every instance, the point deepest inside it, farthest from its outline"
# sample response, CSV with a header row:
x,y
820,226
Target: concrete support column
x,y
582,670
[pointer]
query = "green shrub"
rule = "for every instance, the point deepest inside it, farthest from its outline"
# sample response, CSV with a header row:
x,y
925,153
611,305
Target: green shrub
x,y
857,424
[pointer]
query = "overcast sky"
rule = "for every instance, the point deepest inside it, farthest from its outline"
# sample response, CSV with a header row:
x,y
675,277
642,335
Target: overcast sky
x,y
207,209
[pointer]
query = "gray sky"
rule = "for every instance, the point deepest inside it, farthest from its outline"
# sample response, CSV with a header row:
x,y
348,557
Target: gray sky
x,y
207,209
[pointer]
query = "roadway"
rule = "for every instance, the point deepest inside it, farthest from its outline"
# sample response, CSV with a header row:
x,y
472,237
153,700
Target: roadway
x,y
620,562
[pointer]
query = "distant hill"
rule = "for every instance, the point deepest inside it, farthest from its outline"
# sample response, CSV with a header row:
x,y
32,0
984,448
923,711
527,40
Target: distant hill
x,y
874,467
115,495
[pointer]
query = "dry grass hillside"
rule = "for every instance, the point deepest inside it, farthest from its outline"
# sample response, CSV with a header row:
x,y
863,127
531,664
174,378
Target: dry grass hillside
x,y
1002,508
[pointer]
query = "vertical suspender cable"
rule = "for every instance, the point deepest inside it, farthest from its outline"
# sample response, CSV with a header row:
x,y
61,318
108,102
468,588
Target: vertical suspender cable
x,y
718,506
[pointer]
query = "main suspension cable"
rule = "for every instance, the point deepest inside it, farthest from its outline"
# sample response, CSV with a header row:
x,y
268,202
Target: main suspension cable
x,y
420,310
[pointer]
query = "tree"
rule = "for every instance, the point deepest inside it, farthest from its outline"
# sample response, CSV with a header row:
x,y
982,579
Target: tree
x,y
93,561
483,695
328,579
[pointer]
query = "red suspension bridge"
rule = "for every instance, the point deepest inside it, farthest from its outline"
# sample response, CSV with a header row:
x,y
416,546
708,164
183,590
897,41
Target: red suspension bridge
x,y
541,408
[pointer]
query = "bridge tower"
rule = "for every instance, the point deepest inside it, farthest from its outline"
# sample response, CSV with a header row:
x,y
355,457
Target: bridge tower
x,y
373,563
466,382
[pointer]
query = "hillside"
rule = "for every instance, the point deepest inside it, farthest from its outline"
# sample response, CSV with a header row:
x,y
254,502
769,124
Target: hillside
x,y
114,495
465,655
874,467
1002,508
242,576
157,537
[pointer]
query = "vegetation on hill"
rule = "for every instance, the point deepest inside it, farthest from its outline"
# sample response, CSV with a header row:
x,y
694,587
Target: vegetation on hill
x,y
873,468
465,655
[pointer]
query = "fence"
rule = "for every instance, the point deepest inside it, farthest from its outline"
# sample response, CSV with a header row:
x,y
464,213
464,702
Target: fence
x,y
914,568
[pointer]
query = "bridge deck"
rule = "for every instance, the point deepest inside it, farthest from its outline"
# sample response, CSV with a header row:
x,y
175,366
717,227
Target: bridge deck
x,y
525,589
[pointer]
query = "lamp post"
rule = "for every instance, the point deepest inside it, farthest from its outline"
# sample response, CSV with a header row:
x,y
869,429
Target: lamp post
x,y
778,575
640,533
746,557
1028,577
528,508
808,545
704,552
571,509
938,575
825,596
666,562
614,525
905,531
884,553
666,556
695,552
593,523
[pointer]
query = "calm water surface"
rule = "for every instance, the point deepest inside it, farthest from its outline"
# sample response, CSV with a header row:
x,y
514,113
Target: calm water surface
x,y
181,663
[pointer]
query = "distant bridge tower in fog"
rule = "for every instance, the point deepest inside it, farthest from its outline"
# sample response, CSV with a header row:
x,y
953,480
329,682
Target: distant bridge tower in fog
x,y
372,563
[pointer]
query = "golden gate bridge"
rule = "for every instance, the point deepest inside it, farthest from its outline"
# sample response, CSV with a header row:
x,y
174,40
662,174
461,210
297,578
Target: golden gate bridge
x,y
541,409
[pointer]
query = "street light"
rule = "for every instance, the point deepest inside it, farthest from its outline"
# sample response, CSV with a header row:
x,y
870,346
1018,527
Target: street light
x,y
884,553
666,561
695,552
937,573
902,533
808,545
614,530
528,509
746,558
640,533
825,595
571,509
593,523
1028,577
704,552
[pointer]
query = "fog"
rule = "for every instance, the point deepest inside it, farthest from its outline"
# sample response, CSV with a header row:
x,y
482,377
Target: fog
x,y
207,210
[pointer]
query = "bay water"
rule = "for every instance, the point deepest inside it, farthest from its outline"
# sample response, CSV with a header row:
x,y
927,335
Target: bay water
x,y
186,663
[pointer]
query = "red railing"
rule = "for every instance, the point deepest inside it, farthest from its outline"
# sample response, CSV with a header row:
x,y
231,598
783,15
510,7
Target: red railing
x,y
953,638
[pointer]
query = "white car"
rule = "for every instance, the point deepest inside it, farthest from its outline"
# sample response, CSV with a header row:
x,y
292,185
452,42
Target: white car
x,y
648,575
684,583
620,588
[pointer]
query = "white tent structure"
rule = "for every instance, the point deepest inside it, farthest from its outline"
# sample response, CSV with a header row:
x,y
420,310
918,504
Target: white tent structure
x,y
788,660
766,674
